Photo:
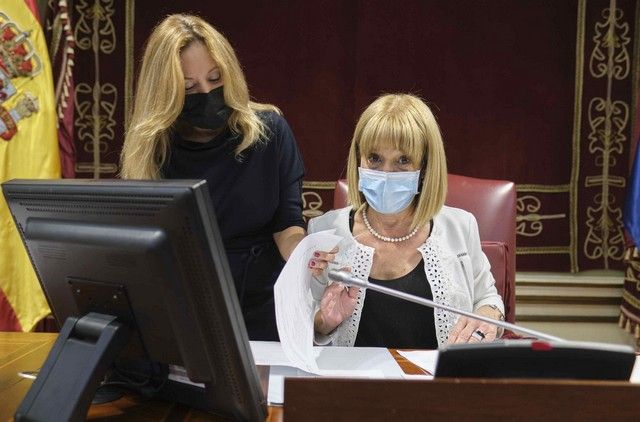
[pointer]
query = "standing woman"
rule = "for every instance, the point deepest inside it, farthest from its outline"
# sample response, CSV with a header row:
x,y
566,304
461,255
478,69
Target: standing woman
x,y
193,119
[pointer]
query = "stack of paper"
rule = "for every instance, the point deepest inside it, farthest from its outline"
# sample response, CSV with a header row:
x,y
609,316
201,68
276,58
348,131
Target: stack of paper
x,y
349,362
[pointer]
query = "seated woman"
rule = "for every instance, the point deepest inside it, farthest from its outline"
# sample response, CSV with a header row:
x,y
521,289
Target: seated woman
x,y
398,233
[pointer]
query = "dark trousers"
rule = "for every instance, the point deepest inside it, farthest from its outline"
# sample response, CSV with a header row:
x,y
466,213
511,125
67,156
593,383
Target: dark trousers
x,y
255,271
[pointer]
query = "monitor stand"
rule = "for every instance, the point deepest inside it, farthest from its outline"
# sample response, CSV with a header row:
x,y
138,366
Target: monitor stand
x,y
85,349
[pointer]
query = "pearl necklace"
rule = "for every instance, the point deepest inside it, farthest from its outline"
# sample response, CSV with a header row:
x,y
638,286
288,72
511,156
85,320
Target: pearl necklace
x,y
386,238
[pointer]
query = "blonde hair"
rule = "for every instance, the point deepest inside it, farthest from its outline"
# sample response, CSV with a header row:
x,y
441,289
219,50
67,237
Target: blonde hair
x,y
160,95
405,122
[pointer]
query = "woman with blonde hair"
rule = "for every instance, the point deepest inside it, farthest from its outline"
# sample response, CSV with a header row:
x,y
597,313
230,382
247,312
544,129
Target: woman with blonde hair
x,y
398,233
193,119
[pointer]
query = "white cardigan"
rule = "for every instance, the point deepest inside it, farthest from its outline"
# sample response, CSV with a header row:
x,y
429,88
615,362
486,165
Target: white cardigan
x,y
457,270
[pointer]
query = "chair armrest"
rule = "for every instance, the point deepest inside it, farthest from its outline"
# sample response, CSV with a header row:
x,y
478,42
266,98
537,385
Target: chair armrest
x,y
498,255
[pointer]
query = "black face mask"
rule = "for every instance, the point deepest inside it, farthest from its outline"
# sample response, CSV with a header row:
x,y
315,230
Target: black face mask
x,y
205,110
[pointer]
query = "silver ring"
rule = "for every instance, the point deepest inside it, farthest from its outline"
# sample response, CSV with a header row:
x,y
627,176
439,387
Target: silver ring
x,y
478,335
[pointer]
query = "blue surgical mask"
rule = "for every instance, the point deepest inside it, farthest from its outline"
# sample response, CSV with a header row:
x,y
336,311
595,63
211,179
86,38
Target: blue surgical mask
x,y
388,192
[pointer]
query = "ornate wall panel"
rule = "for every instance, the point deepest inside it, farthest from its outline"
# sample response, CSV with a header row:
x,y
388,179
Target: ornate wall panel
x,y
602,127
606,129
543,212
540,93
103,77
317,197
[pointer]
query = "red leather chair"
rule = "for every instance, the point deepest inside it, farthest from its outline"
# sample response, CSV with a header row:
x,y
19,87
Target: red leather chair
x,y
493,203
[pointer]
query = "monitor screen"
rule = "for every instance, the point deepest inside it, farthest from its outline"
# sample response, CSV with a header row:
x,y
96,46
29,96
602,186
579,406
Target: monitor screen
x,y
149,254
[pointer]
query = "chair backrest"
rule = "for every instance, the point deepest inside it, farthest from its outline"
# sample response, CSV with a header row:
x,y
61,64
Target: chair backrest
x,y
493,203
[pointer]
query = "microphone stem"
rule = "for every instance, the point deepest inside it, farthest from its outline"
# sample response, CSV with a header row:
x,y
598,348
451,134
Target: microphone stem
x,y
354,281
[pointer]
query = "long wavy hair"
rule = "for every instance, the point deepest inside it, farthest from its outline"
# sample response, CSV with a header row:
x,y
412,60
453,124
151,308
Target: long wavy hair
x,y
404,122
160,93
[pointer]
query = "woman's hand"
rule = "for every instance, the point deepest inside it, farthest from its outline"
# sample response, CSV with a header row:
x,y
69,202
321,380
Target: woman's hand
x,y
463,331
321,261
338,302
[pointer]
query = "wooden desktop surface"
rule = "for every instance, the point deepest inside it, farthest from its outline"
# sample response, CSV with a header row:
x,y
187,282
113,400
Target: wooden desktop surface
x,y
27,352
24,352
315,399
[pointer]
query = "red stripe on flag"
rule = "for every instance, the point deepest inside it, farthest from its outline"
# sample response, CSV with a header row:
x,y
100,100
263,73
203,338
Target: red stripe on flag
x,y
33,6
8,319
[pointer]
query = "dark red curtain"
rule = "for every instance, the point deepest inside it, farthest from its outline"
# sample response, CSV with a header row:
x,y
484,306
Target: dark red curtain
x,y
526,91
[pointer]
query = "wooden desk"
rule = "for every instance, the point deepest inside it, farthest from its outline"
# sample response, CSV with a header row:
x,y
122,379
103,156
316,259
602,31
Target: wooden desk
x,y
27,352
336,399
19,352
451,399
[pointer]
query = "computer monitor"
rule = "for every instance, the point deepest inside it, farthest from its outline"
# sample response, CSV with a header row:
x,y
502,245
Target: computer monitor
x,y
134,271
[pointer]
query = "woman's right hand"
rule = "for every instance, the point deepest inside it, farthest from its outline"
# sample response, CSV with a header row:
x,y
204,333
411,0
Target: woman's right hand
x,y
337,303
321,260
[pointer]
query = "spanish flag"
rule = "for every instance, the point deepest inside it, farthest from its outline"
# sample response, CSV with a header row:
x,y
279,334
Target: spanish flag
x,y
28,149
632,206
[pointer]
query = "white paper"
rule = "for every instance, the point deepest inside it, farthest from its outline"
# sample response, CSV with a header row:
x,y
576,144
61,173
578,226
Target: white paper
x,y
277,374
635,374
294,303
331,359
269,353
338,362
418,377
425,359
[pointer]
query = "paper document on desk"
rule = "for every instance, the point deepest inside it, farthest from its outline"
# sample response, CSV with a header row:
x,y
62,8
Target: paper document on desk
x,y
635,374
294,302
347,362
277,374
332,360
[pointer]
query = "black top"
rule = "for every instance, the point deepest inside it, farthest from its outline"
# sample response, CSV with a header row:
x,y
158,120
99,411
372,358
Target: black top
x,y
253,197
387,321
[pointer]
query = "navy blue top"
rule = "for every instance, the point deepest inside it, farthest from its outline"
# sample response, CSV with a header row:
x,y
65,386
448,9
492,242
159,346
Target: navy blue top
x,y
253,196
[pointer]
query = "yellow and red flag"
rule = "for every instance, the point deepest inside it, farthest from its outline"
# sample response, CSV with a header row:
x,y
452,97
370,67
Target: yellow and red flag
x,y
28,149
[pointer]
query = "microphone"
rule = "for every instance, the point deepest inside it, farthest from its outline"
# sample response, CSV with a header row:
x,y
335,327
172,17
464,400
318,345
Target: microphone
x,y
553,358
351,280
